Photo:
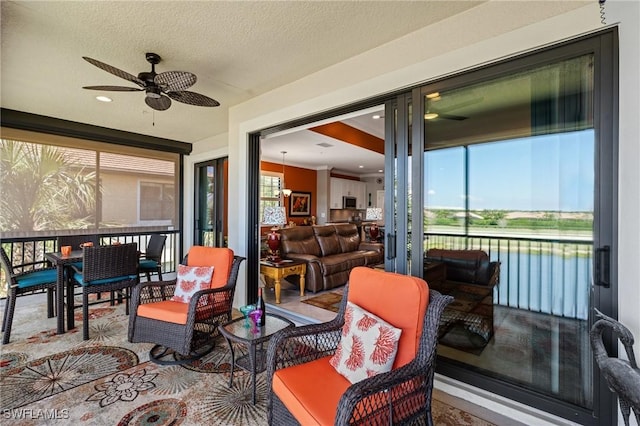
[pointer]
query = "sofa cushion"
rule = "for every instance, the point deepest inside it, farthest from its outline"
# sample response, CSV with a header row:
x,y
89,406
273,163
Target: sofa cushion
x,y
367,347
342,262
299,239
348,237
327,239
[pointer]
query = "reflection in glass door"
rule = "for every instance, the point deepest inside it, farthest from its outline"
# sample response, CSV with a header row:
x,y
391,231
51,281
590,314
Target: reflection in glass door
x,y
210,203
508,225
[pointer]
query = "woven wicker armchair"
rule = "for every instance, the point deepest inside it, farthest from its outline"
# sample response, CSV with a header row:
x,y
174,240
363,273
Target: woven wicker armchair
x,y
105,269
34,277
298,360
184,332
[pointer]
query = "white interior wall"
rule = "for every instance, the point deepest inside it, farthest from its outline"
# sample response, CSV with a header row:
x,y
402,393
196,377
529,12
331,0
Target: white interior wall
x,y
395,66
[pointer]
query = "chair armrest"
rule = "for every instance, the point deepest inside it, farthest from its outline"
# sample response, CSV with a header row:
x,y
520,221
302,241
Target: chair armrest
x,y
376,395
151,291
298,345
411,382
293,346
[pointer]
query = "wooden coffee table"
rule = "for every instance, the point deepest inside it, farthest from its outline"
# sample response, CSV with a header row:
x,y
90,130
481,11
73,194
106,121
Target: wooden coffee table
x,y
280,270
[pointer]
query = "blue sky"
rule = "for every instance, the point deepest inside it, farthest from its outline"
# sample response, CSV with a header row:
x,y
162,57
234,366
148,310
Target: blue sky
x,y
551,172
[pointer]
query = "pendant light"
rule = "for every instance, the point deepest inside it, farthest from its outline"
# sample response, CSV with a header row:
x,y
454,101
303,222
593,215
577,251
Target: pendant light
x,y
286,192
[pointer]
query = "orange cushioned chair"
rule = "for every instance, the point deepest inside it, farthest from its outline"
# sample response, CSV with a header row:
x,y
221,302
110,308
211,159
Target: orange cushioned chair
x,y
185,330
298,359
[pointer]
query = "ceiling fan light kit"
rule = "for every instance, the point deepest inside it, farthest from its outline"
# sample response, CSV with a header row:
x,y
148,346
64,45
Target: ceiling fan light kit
x,y
159,88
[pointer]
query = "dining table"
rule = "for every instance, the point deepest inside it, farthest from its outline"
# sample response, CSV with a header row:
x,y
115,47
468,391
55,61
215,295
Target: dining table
x,y
62,262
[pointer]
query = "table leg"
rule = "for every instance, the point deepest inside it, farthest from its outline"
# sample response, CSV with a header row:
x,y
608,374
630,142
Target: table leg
x,y
252,363
70,305
302,284
60,298
277,286
233,363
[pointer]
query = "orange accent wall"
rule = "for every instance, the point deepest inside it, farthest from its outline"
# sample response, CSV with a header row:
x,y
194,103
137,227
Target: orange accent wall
x,y
346,133
296,179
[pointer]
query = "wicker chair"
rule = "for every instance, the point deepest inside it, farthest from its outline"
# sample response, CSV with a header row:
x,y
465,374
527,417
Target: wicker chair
x,y
33,278
150,260
184,332
105,269
298,359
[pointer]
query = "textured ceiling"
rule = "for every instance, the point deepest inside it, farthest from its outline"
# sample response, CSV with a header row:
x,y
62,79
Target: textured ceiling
x,y
238,50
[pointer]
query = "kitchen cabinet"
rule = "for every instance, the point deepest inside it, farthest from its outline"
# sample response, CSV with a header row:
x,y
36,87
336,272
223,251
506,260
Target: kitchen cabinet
x,y
339,188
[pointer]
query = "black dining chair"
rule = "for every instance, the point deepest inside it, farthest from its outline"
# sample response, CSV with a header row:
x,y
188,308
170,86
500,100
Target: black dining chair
x,y
31,280
112,268
151,258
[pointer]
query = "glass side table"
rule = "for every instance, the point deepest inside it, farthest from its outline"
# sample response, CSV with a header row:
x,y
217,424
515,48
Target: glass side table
x,y
255,360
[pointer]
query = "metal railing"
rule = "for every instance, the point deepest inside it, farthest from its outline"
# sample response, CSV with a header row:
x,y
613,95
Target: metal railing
x,y
31,250
546,275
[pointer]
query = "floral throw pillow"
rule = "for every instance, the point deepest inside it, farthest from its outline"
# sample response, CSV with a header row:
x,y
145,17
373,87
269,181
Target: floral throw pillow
x,y
368,345
192,279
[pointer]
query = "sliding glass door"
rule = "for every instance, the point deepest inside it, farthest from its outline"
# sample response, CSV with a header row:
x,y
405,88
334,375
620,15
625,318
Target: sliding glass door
x,y
500,205
211,203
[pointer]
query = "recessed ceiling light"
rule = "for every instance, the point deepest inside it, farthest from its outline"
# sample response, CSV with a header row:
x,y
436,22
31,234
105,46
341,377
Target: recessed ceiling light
x,y
430,115
376,117
380,171
104,98
361,167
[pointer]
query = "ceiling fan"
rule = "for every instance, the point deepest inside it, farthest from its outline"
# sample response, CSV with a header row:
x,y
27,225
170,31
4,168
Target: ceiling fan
x,y
159,88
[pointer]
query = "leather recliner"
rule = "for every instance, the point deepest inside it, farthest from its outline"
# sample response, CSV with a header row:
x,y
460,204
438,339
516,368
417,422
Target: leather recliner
x,y
330,251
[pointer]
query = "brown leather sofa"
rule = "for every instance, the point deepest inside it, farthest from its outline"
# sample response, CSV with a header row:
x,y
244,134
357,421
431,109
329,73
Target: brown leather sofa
x,y
331,251
470,277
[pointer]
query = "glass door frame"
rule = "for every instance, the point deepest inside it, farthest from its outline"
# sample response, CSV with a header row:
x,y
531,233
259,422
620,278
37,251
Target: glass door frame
x,y
604,290
201,192
604,45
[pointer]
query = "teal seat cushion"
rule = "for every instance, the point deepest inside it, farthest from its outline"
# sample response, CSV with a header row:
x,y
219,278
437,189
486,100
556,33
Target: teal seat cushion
x,y
80,279
37,278
148,264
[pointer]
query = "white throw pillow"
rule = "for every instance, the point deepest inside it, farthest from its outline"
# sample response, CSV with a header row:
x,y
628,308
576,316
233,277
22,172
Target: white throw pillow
x,y
190,280
368,345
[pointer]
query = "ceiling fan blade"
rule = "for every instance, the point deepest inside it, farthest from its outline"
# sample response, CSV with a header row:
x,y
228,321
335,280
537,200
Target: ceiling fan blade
x,y
193,98
159,104
171,81
115,71
114,88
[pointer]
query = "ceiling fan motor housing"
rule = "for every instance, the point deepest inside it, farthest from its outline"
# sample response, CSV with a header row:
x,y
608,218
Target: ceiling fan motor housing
x,y
153,92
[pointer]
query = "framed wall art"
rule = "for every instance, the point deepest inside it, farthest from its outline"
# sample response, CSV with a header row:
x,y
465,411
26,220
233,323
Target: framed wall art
x,y
300,204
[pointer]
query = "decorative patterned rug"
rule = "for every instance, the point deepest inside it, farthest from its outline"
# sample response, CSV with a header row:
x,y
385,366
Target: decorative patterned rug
x,y
329,301
47,379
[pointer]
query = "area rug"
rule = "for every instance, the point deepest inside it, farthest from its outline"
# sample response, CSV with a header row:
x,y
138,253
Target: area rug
x,y
60,379
329,301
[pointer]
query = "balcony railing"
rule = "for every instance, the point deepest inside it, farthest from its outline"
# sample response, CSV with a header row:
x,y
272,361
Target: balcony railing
x,y
551,276
31,250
